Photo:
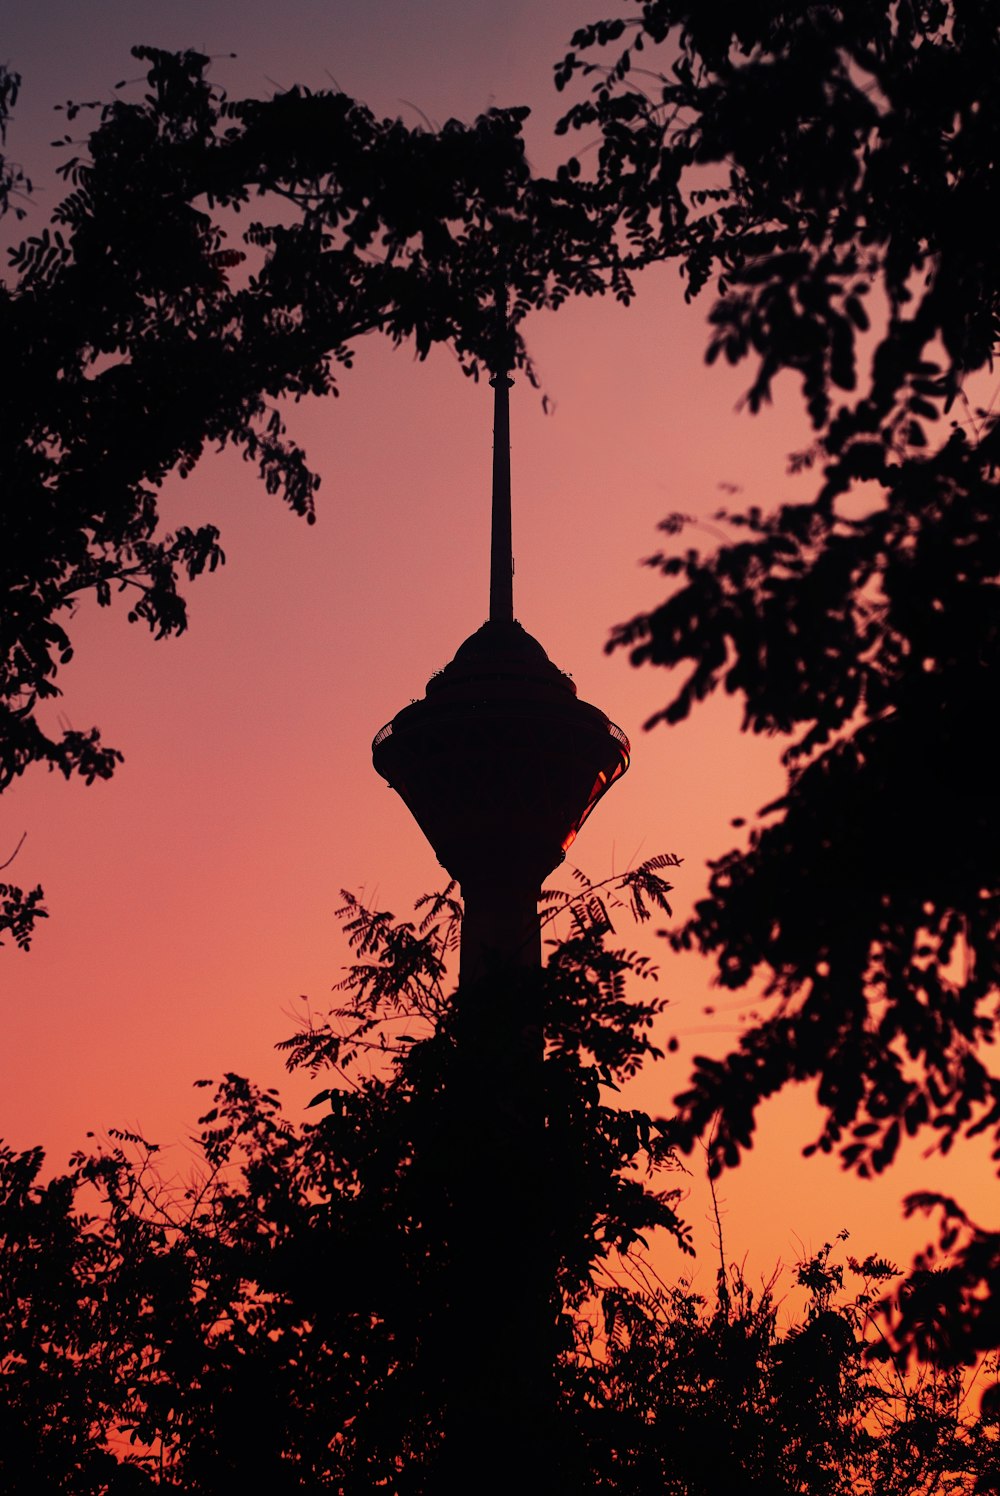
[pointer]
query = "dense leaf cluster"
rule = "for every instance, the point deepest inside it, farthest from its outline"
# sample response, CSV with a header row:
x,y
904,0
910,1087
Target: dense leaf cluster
x,y
829,170
14,185
288,1315
145,325
705,1399
291,1313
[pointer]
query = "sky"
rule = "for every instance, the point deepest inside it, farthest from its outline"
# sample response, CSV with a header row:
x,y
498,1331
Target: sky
x,y
192,899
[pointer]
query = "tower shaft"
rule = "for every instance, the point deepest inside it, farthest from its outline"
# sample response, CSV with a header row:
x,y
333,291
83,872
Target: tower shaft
x,y
499,927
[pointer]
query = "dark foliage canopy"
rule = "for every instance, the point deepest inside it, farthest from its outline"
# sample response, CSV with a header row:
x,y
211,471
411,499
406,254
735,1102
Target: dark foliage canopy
x,y
830,171
279,1318
147,324
285,1316
827,171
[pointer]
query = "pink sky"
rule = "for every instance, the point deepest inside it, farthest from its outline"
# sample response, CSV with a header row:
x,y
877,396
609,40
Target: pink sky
x,y
192,898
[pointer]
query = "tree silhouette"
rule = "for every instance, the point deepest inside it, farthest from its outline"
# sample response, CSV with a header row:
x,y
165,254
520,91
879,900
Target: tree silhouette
x,y
146,325
280,1316
828,169
14,185
291,1315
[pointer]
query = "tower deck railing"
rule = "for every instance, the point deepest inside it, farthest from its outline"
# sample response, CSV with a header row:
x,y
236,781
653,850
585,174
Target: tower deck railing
x,y
614,731
619,736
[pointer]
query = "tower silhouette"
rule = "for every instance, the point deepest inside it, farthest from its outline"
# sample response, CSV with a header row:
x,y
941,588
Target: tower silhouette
x,y
500,763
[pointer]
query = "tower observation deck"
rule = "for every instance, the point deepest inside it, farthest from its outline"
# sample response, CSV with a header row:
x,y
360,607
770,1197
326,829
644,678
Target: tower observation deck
x,y
500,763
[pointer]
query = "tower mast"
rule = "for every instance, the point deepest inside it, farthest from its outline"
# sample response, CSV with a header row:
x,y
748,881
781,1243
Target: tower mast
x,y
501,541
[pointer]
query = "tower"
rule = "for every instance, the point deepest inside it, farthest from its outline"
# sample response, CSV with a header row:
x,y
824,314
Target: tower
x,y
500,763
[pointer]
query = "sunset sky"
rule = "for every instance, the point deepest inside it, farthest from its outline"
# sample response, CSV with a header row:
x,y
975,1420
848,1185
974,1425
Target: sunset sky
x,y
192,898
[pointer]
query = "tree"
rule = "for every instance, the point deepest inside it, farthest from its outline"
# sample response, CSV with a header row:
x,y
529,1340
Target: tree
x,y
828,170
286,1315
277,1317
13,182
144,327
703,1398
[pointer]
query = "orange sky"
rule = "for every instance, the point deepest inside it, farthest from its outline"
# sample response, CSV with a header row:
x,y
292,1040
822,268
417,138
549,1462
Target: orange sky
x,y
192,897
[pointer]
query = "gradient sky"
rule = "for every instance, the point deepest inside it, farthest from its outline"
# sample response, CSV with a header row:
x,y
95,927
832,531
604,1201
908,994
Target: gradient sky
x,y
192,898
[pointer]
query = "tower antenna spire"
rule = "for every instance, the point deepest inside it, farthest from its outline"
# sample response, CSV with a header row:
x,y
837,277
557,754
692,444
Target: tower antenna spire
x,y
501,543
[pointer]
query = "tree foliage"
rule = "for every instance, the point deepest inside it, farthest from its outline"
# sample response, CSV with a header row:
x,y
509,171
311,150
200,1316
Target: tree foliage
x,y
285,1314
280,1316
145,325
711,1397
828,170
14,185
